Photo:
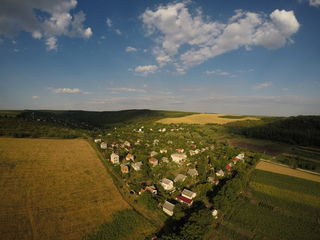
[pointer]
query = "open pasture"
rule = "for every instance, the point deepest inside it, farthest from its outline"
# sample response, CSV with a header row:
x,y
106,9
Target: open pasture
x,y
205,118
53,189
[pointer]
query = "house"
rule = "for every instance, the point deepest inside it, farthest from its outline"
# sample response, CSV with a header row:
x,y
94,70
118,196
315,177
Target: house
x,y
163,150
114,158
213,180
188,194
167,184
235,160
152,189
229,166
130,157
124,168
240,156
98,140
184,200
153,153
180,178
153,161
136,166
165,159
103,145
168,207
155,142
127,144
178,157
215,213
220,173
180,150
169,142
193,172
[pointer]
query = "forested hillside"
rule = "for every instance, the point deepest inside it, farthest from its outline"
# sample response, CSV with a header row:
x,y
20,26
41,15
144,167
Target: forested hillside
x,y
300,130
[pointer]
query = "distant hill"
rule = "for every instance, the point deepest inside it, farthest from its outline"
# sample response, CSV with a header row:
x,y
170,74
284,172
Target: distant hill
x,y
90,119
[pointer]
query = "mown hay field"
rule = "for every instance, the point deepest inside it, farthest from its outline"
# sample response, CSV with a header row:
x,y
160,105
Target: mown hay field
x,y
275,168
205,118
53,189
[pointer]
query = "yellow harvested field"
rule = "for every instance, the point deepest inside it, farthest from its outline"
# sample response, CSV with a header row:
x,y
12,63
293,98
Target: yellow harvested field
x,y
205,118
272,167
53,189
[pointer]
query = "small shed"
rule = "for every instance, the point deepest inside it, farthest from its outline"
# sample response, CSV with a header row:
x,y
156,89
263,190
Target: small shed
x,y
153,161
130,157
165,159
168,208
136,166
220,173
193,172
153,153
180,178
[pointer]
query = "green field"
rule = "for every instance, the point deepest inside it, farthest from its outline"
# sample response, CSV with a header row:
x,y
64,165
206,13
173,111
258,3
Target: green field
x,y
275,207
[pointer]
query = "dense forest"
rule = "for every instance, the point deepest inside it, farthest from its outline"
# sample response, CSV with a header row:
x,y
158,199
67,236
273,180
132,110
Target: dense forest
x,y
300,130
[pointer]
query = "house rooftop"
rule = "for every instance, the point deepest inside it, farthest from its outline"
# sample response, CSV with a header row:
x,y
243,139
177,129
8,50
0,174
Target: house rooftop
x,y
168,205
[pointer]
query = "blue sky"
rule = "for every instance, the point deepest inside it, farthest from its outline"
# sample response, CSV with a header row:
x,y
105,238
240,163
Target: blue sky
x,y
240,57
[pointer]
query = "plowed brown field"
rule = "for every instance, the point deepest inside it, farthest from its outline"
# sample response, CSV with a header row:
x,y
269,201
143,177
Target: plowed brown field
x,y
53,189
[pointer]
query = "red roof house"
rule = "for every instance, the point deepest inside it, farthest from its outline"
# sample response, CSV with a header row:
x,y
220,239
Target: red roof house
x,y
185,200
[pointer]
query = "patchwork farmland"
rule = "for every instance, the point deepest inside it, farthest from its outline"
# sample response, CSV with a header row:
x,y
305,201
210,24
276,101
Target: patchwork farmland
x,y
53,189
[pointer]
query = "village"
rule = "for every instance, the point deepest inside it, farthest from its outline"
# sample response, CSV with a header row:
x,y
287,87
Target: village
x,y
170,164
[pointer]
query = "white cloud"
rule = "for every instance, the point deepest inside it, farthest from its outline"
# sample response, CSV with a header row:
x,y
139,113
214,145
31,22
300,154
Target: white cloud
x,y
51,43
187,39
314,3
131,49
127,90
109,22
118,32
262,85
55,21
67,90
37,35
146,70
217,72
35,97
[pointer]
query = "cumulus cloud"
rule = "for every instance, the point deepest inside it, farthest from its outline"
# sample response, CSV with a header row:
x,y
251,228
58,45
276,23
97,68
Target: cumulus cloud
x,y
262,85
186,39
131,49
314,3
42,19
35,97
67,90
146,70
